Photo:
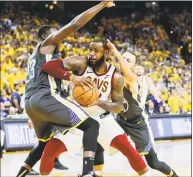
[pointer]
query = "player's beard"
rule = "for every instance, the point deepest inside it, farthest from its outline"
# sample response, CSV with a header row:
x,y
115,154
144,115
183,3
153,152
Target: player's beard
x,y
97,63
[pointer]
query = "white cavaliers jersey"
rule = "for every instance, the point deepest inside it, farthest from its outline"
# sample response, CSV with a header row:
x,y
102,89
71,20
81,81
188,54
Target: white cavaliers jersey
x,y
103,83
143,89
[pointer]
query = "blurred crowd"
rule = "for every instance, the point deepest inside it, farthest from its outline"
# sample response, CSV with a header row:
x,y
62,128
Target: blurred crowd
x,y
165,57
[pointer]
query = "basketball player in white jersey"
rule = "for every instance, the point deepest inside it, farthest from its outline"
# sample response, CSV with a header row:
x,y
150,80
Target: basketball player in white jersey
x,y
133,119
110,84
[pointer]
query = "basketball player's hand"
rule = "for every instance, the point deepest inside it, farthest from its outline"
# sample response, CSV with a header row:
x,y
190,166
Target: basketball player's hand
x,y
109,3
81,80
112,47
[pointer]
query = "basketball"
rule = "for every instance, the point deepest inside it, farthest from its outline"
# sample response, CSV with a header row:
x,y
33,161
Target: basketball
x,y
85,95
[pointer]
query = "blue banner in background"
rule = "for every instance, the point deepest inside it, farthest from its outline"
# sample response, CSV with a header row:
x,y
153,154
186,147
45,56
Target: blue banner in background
x,y
19,137
171,127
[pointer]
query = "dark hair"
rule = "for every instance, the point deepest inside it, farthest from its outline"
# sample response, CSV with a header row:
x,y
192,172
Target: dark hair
x,y
42,30
103,41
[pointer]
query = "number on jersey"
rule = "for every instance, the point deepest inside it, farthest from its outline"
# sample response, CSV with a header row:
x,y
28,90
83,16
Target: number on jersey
x,y
31,66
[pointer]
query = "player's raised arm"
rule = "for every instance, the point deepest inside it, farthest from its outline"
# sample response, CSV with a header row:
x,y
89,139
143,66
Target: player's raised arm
x,y
75,24
117,97
125,68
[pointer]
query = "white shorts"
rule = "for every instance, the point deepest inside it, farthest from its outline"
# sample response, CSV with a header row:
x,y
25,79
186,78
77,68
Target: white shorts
x,y
109,129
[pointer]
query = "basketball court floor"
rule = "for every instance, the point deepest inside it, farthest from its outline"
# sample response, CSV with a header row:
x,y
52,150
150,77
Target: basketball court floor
x,y
176,153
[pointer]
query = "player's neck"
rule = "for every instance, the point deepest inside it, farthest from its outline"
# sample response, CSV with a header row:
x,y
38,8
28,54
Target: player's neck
x,y
101,69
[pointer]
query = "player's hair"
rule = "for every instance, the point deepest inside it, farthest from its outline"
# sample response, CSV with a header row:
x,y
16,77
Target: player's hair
x,y
42,30
103,41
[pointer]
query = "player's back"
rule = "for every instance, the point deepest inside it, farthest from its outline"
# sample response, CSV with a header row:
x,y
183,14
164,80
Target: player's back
x,y
36,79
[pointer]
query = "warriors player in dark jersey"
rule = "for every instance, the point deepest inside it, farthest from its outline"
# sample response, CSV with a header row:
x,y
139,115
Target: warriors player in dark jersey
x,y
45,107
133,119
110,85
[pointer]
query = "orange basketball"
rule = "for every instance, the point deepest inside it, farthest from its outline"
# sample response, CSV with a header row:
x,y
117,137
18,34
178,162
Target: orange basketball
x,y
85,95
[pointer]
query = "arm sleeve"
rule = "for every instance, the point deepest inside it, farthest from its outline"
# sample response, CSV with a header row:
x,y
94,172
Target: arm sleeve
x,y
56,69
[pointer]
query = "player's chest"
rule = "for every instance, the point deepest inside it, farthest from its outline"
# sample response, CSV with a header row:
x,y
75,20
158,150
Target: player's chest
x,y
103,83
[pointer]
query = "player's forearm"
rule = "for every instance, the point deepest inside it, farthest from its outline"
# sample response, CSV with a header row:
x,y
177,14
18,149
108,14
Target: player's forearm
x,y
56,69
127,73
86,16
111,106
76,23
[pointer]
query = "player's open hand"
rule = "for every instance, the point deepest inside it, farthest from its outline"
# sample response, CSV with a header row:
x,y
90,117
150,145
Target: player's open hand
x,y
97,103
81,80
112,47
109,3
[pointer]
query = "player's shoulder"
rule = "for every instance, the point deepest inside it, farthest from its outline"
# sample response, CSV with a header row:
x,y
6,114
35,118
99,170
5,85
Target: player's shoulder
x,y
118,79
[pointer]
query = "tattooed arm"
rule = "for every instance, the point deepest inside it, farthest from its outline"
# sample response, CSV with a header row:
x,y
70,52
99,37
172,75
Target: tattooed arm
x,y
59,69
117,98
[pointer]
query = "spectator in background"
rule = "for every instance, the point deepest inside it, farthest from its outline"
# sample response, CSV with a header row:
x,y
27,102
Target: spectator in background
x,y
164,109
165,59
174,101
16,98
150,108
5,104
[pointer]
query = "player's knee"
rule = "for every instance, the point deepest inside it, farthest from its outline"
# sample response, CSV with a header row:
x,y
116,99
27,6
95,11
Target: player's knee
x,y
156,165
94,125
153,161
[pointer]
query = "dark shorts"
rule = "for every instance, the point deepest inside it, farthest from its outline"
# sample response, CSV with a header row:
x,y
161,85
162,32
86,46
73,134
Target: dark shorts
x,y
140,132
50,113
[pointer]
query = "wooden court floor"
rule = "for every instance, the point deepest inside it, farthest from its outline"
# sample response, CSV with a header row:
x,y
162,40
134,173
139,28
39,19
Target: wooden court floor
x,y
177,154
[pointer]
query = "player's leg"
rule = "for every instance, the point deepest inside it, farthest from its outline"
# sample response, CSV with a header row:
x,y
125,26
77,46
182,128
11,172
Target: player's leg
x,y
116,138
140,132
59,112
56,146
124,146
71,142
44,132
99,160
90,127
52,150
154,163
